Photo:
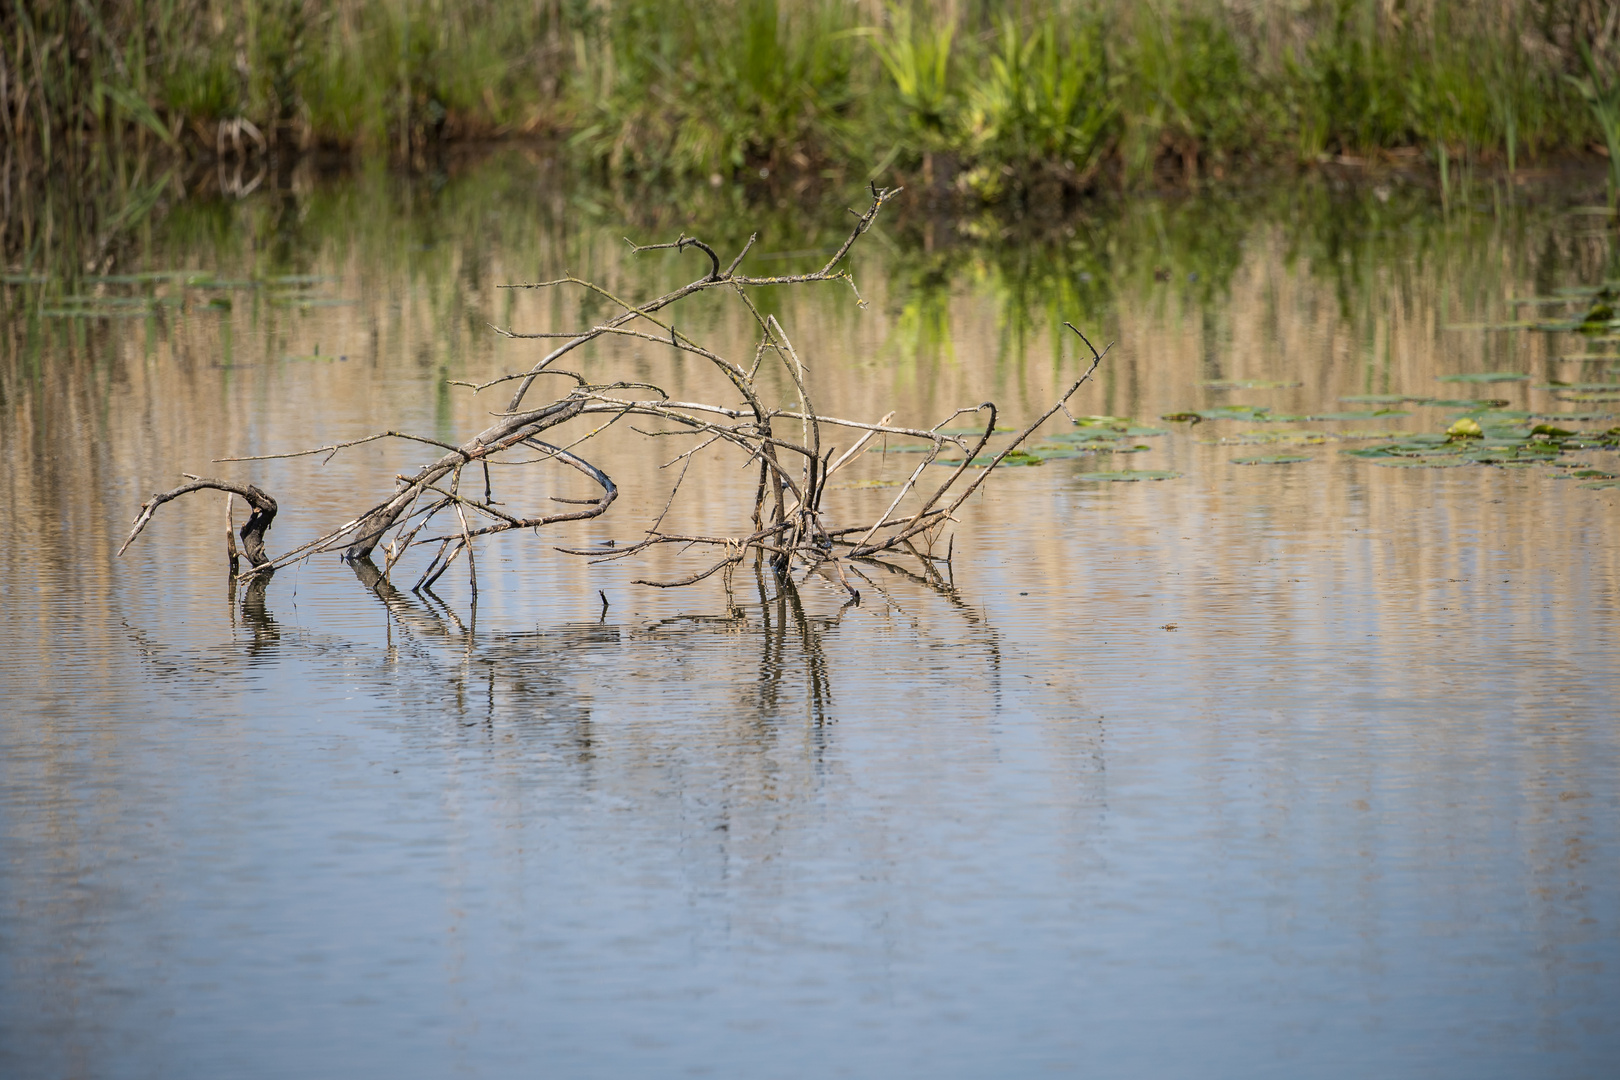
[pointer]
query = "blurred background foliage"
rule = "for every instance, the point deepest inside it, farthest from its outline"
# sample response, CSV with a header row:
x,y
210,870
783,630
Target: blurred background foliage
x,y
973,96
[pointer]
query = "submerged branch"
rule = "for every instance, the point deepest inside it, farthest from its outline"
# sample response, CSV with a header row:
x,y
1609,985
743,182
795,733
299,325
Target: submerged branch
x,y
792,520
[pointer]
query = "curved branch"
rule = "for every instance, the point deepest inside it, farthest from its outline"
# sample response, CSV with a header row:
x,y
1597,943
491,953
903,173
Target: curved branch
x,y
258,523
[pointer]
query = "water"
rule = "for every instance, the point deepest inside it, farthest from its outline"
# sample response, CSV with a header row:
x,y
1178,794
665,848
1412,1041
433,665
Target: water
x,y
1278,770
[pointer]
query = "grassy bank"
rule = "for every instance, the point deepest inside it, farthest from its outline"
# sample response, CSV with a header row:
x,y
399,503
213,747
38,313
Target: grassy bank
x,y
969,98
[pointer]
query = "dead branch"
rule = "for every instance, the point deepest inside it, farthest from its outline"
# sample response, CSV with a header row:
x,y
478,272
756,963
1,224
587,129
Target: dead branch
x,y
257,524
792,520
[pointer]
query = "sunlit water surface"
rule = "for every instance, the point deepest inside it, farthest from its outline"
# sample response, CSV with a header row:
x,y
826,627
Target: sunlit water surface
x,y
1284,770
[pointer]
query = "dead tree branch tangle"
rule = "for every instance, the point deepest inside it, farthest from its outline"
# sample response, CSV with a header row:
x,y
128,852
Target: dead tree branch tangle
x,y
446,506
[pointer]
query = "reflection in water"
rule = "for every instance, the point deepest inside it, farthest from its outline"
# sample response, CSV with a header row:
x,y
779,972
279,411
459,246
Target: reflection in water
x,y
1312,766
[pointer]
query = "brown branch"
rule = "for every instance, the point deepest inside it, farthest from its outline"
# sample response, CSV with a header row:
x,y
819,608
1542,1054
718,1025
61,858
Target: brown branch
x,y
257,524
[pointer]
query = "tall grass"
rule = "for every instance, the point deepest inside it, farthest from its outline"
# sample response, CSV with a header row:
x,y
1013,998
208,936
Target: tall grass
x,y
982,97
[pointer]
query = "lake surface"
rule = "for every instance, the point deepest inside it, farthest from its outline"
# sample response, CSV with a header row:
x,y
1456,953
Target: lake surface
x,y
1303,769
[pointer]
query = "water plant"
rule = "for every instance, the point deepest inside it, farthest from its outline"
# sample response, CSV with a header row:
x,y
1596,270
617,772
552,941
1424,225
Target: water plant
x,y
1602,95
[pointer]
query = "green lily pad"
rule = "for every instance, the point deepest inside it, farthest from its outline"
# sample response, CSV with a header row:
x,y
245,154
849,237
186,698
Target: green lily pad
x,y
144,276
1363,415
1558,387
1274,438
1272,459
1015,459
1130,475
1601,485
1424,462
98,313
1476,404
310,301
1379,399
1486,377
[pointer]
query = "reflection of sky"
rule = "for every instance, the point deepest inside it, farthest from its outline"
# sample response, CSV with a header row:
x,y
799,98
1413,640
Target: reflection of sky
x,y
1354,815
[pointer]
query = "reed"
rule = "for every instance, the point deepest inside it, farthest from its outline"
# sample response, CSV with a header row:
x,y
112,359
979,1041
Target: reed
x,y
984,97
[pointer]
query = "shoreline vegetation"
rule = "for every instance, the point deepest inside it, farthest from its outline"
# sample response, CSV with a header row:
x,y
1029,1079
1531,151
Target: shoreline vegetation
x,y
113,111
977,100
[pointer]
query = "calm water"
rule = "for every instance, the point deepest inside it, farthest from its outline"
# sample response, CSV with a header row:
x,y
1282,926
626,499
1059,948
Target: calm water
x,y
1276,770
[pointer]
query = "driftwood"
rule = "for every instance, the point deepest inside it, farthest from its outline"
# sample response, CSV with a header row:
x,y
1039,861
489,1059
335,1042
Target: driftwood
x,y
791,446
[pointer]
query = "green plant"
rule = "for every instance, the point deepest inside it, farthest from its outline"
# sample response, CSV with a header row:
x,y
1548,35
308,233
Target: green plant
x,y
1192,92
916,56
1602,96
1045,101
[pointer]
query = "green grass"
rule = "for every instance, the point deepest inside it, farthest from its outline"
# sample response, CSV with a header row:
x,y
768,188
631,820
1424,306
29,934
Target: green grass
x,y
989,100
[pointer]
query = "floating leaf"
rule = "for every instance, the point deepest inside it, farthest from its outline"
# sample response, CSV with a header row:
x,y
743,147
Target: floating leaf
x,y
146,276
1558,387
1486,377
1287,438
1272,459
1424,462
1576,417
1129,475
1601,485
298,279
1472,404
98,313
1364,415
1248,384
310,301
1380,399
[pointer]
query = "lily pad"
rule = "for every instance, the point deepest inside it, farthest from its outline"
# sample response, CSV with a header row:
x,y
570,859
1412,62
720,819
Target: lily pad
x,y
1486,377
1272,459
1363,415
1601,485
1466,403
1558,387
310,302
1130,475
1424,462
1274,438
98,313
1379,399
